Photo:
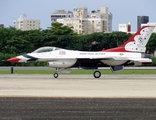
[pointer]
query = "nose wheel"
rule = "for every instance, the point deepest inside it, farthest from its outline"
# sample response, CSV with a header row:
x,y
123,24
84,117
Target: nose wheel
x,y
55,75
97,74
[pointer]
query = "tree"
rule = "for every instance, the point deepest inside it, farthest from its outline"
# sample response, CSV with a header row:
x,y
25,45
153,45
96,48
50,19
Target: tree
x,y
60,29
151,45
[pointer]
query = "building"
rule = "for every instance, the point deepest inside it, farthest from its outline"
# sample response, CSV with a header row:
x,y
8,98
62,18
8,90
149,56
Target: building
x,y
142,20
151,24
101,20
23,23
86,23
1,25
60,14
125,27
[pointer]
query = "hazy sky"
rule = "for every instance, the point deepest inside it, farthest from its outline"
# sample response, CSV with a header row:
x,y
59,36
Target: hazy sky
x,y
123,11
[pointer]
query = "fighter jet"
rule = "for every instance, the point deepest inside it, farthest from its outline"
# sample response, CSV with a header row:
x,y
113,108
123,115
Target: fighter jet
x,y
127,54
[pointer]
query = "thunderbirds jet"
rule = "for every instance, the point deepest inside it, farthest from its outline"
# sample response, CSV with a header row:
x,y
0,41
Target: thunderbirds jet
x,y
124,55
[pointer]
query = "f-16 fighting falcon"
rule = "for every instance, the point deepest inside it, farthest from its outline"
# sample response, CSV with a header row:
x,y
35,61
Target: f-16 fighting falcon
x,y
116,58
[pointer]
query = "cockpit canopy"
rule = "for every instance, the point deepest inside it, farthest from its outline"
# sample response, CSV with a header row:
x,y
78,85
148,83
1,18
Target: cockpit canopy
x,y
46,49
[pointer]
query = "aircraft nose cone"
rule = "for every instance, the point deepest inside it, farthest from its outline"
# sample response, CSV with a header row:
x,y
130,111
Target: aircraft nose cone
x,y
14,59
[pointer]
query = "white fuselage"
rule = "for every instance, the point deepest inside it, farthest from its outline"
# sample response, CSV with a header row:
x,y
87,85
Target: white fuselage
x,y
69,54
66,58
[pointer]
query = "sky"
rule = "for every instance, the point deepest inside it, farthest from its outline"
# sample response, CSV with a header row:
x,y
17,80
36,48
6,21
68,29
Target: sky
x,y
123,11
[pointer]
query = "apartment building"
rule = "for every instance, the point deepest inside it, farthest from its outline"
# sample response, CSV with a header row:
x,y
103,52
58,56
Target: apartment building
x,y
101,20
23,23
60,14
125,27
87,23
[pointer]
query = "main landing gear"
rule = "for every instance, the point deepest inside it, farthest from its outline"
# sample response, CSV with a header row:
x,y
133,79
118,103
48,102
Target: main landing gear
x,y
97,74
55,75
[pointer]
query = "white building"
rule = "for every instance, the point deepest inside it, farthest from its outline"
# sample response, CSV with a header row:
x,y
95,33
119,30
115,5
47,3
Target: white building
x,y
152,24
125,27
87,23
23,23
101,20
60,14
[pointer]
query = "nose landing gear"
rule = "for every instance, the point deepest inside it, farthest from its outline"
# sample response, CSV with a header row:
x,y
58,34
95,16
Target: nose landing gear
x,y
56,73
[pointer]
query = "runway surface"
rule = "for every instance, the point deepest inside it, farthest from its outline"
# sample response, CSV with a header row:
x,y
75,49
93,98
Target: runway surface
x,y
78,86
77,97
77,109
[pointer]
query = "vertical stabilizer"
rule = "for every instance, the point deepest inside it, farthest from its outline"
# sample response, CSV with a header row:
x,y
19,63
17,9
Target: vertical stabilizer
x,y
136,43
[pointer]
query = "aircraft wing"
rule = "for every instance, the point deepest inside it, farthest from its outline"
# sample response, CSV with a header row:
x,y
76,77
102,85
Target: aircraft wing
x,y
141,59
133,59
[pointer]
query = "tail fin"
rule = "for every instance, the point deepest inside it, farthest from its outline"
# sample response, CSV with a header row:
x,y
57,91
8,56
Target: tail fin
x,y
136,43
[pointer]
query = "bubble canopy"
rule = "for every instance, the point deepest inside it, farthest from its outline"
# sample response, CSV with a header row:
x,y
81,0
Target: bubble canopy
x,y
46,49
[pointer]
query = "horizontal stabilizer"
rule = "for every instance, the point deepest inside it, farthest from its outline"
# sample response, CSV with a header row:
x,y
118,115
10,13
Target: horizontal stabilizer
x,y
135,59
141,60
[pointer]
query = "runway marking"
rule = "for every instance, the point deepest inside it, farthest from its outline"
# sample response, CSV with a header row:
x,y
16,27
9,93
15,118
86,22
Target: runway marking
x,y
77,97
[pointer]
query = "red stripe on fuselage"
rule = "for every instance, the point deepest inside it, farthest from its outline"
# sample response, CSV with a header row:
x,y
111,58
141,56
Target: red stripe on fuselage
x,y
117,49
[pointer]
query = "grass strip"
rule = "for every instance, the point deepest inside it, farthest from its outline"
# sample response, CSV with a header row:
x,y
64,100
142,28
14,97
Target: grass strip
x,y
79,72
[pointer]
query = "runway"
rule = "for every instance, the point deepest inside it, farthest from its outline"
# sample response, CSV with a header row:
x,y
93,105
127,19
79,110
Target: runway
x,y
67,85
77,109
78,97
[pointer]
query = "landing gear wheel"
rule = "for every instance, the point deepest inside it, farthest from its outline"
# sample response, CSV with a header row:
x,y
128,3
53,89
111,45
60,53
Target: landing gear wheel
x,y
97,74
55,75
